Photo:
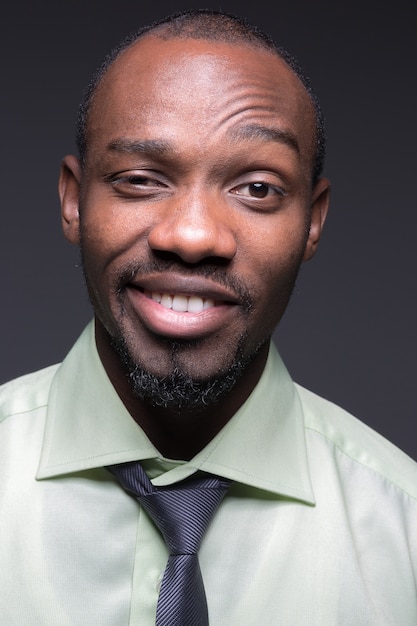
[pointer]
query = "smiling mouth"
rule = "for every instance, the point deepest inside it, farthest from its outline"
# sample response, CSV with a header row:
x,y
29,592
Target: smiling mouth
x,y
182,303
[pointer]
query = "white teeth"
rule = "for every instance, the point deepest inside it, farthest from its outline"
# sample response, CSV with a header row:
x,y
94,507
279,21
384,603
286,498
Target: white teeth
x,y
195,304
180,303
166,300
208,303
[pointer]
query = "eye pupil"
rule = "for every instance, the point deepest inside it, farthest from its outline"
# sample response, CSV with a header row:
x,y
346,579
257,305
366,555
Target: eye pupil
x,y
258,190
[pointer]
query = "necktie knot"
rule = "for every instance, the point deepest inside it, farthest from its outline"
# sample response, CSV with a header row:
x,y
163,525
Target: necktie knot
x,y
182,512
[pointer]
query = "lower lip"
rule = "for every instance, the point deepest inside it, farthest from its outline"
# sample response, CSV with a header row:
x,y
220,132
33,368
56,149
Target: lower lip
x,y
176,324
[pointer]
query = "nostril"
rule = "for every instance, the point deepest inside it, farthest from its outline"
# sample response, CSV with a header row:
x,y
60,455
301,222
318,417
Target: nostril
x,y
170,259
194,235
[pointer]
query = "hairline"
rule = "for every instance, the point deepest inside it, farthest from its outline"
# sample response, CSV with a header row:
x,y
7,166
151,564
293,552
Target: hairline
x,y
165,29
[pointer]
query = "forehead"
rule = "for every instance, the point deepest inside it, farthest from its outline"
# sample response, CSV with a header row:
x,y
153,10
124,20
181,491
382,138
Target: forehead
x,y
165,86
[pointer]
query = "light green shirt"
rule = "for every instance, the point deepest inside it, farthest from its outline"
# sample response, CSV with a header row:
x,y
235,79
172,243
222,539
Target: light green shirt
x,y
318,529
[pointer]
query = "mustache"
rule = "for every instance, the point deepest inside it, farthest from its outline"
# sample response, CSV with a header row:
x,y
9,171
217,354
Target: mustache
x,y
212,271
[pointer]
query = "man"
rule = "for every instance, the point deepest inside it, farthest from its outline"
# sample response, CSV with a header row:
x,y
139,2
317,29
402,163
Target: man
x,y
196,196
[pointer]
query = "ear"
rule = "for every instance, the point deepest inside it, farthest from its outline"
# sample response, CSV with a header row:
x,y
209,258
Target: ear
x,y
319,208
69,193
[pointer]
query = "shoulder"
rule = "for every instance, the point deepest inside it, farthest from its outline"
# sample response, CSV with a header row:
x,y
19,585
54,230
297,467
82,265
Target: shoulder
x,y
26,393
350,438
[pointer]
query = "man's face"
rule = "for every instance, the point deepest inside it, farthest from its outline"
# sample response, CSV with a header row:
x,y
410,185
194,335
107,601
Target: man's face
x,y
195,202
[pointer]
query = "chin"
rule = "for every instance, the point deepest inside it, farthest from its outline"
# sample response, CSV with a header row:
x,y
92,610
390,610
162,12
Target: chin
x,y
182,388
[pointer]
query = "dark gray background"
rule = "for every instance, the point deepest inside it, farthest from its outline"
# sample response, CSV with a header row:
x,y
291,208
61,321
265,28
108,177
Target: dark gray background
x,y
349,333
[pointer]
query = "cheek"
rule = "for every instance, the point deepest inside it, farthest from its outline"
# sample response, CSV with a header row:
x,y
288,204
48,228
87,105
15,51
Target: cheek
x,y
276,249
107,233
272,268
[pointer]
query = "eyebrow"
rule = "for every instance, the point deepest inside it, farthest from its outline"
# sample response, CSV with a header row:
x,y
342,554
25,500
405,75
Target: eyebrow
x,y
150,147
160,148
267,133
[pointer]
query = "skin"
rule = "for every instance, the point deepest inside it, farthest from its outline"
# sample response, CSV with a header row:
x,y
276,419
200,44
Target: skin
x,y
197,182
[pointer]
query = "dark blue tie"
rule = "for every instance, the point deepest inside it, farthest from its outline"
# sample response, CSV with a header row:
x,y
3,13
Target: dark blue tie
x,y
182,513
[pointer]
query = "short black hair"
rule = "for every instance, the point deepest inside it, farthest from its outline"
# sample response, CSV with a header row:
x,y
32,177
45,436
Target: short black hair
x,y
209,25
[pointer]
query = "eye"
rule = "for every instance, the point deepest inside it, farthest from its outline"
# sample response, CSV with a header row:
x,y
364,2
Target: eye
x,y
137,184
136,180
258,190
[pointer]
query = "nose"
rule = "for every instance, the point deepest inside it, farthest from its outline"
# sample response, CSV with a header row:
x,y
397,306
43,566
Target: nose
x,y
194,229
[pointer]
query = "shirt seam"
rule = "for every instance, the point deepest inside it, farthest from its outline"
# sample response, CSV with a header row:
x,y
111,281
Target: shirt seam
x,y
251,475
89,458
368,467
23,412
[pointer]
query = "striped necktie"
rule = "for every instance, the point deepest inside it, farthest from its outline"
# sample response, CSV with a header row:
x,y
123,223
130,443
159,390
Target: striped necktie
x,y
182,513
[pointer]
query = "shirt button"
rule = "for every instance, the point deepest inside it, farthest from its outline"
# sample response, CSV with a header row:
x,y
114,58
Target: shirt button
x,y
159,582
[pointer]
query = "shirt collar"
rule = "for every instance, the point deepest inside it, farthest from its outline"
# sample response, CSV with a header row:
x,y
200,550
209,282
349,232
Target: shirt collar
x,y
87,426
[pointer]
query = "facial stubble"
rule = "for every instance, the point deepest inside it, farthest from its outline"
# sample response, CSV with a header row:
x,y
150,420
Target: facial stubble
x,y
179,390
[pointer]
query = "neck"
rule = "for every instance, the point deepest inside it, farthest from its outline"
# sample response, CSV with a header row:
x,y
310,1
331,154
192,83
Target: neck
x,y
177,434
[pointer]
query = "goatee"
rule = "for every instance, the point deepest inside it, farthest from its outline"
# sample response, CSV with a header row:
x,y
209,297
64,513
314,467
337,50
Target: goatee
x,y
179,390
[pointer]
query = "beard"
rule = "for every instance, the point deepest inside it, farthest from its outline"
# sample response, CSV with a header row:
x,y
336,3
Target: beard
x,y
179,390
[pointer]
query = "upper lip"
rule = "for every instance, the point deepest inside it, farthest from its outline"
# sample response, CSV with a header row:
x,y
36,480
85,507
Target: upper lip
x,y
174,283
